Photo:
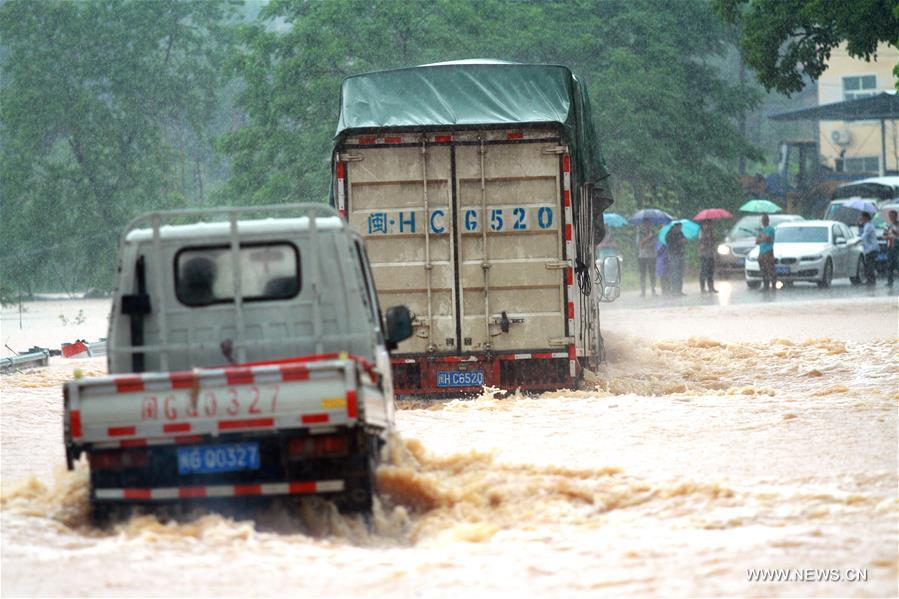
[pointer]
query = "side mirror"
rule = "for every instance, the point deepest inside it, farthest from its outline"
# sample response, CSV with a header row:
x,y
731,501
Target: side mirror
x,y
840,241
611,278
399,325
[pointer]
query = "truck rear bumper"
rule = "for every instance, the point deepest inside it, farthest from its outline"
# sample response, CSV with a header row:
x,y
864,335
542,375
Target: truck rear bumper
x,y
288,465
428,375
215,491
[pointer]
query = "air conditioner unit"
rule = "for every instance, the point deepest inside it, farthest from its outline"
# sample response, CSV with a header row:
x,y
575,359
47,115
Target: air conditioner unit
x,y
840,137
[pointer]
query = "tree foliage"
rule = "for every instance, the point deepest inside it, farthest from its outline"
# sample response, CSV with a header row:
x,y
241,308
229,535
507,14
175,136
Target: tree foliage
x,y
665,115
787,40
107,106
94,93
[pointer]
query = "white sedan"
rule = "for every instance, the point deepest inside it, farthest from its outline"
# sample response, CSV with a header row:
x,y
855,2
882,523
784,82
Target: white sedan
x,y
813,250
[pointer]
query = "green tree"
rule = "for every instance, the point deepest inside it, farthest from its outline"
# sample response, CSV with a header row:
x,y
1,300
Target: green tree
x,y
786,40
99,100
666,116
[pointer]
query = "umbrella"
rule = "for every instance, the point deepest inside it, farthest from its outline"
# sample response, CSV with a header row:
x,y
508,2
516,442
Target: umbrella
x,y
613,220
713,214
688,228
760,206
653,215
860,205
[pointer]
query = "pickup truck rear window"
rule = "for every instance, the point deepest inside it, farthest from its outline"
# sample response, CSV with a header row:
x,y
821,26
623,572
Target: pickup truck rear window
x,y
204,275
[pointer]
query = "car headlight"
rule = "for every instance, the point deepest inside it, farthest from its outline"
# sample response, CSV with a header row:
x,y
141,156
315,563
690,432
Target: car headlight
x,y
752,258
723,250
811,258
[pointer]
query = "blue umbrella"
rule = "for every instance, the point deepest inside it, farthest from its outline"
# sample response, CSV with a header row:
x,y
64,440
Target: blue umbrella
x,y
613,220
861,205
688,228
653,215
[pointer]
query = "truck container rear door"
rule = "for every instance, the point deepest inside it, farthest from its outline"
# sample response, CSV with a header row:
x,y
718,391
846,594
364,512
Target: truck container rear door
x,y
509,202
428,203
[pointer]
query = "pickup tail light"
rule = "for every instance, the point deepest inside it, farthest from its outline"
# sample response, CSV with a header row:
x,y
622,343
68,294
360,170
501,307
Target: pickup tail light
x,y
315,446
118,459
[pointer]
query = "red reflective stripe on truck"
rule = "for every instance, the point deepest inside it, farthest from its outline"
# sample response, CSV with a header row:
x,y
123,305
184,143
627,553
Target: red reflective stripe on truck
x,y
182,380
570,309
294,372
120,431
227,425
367,140
566,193
187,439
340,170
393,140
133,443
352,410
247,490
176,427
569,276
175,493
442,138
239,376
515,135
75,422
296,488
192,492
313,418
566,163
129,384
568,232
572,352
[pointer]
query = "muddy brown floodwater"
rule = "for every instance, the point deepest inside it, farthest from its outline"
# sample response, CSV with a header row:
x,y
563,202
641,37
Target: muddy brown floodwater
x,y
713,442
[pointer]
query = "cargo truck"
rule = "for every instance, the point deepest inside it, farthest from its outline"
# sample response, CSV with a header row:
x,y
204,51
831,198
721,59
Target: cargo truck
x,y
479,188
246,360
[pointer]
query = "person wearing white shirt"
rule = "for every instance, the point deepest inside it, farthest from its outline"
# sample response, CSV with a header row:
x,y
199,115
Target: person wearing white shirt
x,y
868,239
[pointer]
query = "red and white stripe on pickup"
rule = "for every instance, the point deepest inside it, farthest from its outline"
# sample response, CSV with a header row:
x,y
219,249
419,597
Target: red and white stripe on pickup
x,y
569,254
286,371
246,490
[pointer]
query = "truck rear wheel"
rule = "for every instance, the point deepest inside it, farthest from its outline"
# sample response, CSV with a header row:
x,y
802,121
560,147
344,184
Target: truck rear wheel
x,y
103,514
361,484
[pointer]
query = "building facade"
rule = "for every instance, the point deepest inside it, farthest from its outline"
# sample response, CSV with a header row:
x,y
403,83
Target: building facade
x,y
855,147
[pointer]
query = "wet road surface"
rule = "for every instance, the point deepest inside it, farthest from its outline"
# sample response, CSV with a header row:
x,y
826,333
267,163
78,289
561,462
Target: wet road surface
x,y
717,439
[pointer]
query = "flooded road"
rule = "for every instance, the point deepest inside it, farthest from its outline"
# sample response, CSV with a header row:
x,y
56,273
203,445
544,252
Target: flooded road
x,y
717,439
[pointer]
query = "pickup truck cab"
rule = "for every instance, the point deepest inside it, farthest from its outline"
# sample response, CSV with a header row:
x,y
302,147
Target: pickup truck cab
x,y
246,358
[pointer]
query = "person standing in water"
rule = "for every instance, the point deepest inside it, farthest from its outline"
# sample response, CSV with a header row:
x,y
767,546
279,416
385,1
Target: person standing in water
x,y
891,234
707,246
765,241
662,268
868,239
676,243
646,245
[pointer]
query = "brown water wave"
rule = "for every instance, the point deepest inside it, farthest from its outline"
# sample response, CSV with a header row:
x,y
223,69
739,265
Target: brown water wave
x,y
426,498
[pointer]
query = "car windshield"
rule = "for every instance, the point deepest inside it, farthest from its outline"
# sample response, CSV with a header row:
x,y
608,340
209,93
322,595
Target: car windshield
x,y
748,226
849,216
801,235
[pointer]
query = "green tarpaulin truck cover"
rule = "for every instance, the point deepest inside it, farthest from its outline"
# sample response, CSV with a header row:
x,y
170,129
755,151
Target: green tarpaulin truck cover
x,y
478,93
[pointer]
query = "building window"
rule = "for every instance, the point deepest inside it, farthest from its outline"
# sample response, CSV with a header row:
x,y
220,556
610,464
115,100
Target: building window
x,y
862,164
859,86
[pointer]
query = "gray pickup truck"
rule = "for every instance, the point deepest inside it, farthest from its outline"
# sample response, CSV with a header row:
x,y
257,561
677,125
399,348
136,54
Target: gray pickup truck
x,y
247,359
